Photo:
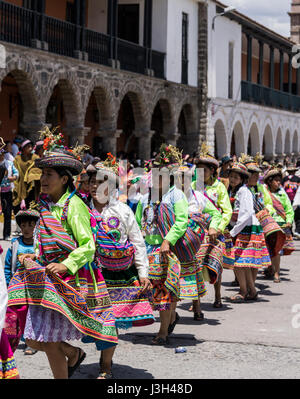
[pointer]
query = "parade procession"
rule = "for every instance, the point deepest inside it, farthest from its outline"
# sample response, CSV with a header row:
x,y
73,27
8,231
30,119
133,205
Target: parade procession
x,y
149,190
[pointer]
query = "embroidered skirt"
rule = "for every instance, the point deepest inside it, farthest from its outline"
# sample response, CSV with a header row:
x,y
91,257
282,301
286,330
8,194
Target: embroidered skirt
x,y
57,306
165,278
192,285
8,368
131,308
250,248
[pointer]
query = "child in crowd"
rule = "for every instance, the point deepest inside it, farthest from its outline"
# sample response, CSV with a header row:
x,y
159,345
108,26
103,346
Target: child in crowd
x,y
24,244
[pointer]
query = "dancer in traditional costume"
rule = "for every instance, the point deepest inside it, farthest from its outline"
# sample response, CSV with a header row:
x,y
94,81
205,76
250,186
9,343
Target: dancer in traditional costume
x,y
8,368
284,215
217,193
250,248
192,284
63,289
122,254
162,215
263,204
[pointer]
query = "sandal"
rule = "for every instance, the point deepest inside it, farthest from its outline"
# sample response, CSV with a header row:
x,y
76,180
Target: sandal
x,y
105,376
277,280
172,325
198,316
238,298
191,308
218,304
160,341
29,351
81,357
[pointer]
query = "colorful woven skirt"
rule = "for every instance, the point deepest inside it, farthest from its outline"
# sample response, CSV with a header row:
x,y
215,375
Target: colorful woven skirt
x,y
250,248
165,278
82,299
8,368
274,235
192,285
131,307
210,258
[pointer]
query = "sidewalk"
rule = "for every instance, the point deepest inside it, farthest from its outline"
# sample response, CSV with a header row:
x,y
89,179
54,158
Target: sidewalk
x,y
250,340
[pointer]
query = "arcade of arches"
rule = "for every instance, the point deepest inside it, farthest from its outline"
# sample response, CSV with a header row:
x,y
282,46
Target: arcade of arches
x,y
108,109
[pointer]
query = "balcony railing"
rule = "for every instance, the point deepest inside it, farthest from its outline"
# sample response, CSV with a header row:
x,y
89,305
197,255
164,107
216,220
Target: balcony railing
x,y
24,27
268,97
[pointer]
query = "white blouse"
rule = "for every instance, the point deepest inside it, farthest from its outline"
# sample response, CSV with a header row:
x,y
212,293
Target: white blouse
x,y
246,214
129,230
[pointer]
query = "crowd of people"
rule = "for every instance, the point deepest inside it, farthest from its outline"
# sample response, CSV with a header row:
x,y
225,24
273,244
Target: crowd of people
x,y
91,258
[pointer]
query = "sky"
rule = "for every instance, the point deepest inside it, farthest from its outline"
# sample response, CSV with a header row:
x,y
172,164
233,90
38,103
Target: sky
x,y
271,13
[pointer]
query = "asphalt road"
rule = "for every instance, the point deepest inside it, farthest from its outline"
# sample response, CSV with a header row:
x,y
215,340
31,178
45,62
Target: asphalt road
x,y
257,340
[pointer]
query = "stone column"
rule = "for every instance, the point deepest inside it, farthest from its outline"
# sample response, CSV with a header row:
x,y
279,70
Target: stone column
x,y
76,135
109,140
172,138
144,148
290,73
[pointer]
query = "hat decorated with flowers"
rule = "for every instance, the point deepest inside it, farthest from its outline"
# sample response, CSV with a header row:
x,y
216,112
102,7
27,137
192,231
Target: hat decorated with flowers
x,y
205,157
169,156
57,155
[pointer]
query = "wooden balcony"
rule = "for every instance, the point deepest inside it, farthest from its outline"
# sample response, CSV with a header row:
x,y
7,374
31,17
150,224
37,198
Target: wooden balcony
x,y
268,97
27,28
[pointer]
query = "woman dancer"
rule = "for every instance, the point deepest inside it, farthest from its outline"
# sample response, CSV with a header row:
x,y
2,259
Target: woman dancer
x,y
74,300
284,215
192,285
162,215
249,243
122,253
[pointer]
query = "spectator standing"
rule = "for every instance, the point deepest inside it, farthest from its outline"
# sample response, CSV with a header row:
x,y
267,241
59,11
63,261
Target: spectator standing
x,y
11,174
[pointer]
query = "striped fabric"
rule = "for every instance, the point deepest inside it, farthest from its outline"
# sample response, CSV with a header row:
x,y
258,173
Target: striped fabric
x,y
189,244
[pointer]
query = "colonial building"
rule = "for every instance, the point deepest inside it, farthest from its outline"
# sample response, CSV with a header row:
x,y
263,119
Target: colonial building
x,y
119,75
253,89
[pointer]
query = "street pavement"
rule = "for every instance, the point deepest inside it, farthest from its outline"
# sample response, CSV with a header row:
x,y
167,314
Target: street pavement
x,y
256,340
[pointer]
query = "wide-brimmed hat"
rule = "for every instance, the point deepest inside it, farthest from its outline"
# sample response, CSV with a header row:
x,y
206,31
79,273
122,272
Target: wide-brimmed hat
x,y
291,168
59,156
27,213
225,160
239,168
272,173
205,157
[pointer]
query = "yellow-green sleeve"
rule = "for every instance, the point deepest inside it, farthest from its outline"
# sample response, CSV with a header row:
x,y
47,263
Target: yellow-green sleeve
x,y
225,205
216,216
267,200
181,210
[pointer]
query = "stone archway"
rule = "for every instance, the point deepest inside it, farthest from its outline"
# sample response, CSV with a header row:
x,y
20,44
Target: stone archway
x,y
279,143
268,143
253,140
295,145
20,110
237,140
220,139
287,143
